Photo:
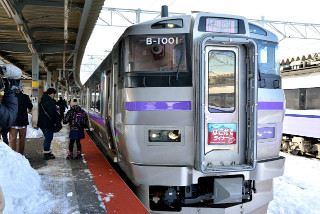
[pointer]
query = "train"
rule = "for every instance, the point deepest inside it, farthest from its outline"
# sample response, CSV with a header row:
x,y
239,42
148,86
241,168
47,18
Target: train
x,y
191,109
301,86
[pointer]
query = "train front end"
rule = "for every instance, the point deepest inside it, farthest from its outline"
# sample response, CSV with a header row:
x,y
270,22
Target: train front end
x,y
189,134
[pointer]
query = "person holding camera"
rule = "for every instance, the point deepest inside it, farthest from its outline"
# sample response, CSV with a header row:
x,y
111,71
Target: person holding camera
x,y
9,103
48,117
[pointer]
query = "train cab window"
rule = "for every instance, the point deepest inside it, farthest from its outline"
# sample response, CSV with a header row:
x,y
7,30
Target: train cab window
x,y
221,91
268,58
156,53
156,61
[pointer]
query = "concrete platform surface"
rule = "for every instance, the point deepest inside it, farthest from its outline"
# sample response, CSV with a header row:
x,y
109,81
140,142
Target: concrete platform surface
x,y
69,181
90,185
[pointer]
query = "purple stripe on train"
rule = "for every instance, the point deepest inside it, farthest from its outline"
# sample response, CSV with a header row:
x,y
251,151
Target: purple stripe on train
x,y
97,119
158,106
270,105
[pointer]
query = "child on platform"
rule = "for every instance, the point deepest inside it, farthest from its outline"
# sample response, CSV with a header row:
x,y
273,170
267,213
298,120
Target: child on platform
x,y
77,119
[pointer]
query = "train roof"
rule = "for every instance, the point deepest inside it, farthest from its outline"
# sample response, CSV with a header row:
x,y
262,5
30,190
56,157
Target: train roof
x,y
150,28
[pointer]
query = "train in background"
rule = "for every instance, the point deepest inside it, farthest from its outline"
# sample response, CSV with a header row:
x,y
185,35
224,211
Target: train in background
x,y
301,84
191,108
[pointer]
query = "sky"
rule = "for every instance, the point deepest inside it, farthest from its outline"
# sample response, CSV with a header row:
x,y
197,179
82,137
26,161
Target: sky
x,y
27,190
104,37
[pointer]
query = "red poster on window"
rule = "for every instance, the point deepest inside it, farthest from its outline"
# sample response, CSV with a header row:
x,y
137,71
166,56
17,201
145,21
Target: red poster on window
x,y
222,133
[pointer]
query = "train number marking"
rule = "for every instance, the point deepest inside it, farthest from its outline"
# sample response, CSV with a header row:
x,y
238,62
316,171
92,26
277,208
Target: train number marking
x,y
162,41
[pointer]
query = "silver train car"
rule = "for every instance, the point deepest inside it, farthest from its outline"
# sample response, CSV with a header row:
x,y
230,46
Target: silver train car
x,y
191,108
302,118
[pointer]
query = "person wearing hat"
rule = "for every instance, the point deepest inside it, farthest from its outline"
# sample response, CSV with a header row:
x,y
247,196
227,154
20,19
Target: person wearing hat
x,y
48,116
78,120
21,122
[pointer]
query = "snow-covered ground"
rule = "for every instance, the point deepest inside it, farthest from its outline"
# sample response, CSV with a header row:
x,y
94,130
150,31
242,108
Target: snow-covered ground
x,y
297,192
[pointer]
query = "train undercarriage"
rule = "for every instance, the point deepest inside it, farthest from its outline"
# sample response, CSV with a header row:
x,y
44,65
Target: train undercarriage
x,y
209,192
301,145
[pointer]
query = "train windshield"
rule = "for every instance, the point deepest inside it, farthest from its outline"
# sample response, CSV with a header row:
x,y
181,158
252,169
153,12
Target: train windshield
x,y
165,53
268,58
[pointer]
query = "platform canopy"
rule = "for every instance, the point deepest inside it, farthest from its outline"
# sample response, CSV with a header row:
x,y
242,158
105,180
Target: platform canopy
x,y
56,30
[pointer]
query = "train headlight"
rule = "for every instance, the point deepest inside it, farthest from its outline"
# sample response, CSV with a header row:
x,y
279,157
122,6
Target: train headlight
x,y
155,135
164,135
173,135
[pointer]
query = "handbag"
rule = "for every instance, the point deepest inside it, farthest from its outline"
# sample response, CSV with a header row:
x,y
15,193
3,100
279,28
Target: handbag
x,y
57,126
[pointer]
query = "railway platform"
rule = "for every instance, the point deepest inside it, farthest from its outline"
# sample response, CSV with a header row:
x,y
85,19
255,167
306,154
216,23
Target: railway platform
x,y
90,185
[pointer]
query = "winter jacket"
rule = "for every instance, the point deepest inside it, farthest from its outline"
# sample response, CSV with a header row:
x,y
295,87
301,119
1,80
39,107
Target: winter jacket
x,y
49,105
69,115
62,105
75,131
24,103
8,110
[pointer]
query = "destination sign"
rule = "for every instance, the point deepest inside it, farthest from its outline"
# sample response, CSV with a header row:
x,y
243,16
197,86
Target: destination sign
x,y
222,25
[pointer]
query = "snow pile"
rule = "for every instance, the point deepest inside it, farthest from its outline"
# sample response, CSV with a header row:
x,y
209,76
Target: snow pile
x,y
32,132
298,190
21,184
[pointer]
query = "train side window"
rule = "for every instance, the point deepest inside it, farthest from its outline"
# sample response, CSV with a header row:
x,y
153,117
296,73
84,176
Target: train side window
x,y
221,89
97,99
102,93
292,98
313,99
302,98
92,95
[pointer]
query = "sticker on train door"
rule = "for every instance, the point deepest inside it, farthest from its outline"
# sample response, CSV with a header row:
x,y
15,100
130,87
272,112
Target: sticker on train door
x,y
222,133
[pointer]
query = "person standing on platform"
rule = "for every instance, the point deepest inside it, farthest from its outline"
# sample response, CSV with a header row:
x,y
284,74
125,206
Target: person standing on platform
x,y
21,123
62,106
48,116
77,119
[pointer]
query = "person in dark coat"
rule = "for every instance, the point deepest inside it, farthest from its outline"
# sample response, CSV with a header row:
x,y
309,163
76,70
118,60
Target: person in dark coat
x,y
8,114
46,122
62,106
76,131
4,127
8,110
21,123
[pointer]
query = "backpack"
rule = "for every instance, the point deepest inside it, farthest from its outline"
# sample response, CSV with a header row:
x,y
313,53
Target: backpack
x,y
78,119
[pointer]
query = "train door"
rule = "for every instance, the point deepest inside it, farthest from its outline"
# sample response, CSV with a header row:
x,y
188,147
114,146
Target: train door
x,y
113,110
225,117
107,114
